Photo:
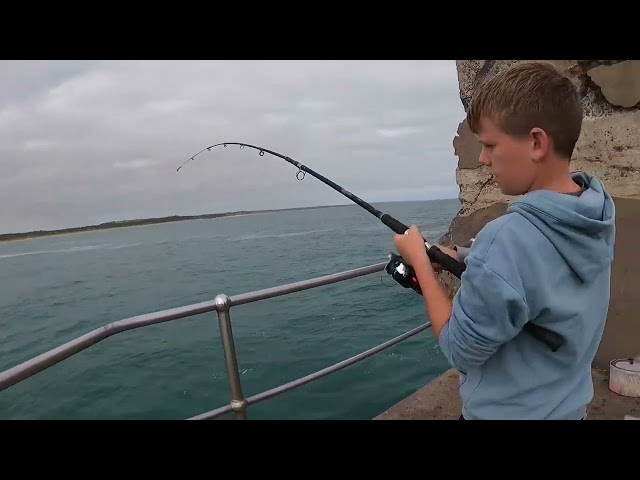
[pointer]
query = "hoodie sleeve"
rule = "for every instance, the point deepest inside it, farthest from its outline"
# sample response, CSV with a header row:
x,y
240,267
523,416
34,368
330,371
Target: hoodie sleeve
x,y
487,312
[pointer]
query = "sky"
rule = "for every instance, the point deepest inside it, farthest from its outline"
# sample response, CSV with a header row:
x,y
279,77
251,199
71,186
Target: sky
x,y
86,142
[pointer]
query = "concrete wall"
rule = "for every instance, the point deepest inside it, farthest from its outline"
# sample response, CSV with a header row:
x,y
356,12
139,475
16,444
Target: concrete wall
x,y
609,147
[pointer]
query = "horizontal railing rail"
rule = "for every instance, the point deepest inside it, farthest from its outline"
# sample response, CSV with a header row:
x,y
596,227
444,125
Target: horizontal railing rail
x,y
312,377
222,305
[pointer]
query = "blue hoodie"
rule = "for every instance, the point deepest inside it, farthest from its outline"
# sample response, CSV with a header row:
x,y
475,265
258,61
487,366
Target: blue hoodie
x,y
547,260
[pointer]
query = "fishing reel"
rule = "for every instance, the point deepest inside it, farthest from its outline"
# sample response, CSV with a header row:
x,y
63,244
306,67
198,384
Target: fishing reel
x,y
402,273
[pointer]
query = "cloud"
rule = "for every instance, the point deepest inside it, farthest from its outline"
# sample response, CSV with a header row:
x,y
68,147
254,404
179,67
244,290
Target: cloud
x,y
397,132
86,142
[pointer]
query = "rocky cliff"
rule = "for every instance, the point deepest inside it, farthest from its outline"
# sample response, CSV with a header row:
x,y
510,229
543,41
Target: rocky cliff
x,y
609,147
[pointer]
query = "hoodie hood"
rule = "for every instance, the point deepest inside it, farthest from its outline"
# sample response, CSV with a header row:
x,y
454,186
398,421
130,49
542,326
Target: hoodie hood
x,y
581,228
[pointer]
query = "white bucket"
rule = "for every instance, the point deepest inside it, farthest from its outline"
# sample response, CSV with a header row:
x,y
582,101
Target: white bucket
x,y
624,377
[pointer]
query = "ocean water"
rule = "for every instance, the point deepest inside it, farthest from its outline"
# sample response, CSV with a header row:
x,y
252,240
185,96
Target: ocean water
x,y
58,288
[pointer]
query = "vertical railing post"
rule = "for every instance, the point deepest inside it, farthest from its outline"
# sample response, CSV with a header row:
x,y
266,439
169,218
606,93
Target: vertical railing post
x,y
238,402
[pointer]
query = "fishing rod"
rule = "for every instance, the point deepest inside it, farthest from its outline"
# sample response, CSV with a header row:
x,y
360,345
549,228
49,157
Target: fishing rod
x,y
438,256
399,271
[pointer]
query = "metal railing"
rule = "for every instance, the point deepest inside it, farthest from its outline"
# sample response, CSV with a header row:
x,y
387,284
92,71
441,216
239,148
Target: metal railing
x,y
222,305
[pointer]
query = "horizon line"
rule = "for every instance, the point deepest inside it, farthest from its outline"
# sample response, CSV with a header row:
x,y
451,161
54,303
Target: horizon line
x,y
124,222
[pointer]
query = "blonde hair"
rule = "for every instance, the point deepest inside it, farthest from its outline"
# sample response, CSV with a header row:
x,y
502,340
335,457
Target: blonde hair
x,y
526,95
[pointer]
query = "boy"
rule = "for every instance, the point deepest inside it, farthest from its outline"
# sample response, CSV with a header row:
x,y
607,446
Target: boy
x,y
547,260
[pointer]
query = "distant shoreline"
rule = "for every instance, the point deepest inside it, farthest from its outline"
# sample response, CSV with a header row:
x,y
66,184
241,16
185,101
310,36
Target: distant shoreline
x,y
9,237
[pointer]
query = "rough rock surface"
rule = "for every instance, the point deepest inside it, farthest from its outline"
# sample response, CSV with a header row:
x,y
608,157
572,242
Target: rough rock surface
x,y
609,147
620,83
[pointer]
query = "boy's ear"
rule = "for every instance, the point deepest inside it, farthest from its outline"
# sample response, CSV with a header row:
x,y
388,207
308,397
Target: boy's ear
x,y
540,144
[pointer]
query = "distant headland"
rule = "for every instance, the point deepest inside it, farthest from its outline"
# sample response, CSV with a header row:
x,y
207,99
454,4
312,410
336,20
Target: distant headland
x,y
147,221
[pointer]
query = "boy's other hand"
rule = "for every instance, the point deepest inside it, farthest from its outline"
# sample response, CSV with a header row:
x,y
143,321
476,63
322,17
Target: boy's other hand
x,y
412,249
411,246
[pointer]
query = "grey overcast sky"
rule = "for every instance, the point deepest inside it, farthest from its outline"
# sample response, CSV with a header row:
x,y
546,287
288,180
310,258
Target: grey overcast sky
x,y
84,142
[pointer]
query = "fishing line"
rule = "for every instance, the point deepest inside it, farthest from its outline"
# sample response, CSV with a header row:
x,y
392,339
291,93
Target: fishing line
x,y
399,271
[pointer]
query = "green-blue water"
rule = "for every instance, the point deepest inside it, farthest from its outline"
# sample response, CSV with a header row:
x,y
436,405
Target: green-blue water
x,y
58,288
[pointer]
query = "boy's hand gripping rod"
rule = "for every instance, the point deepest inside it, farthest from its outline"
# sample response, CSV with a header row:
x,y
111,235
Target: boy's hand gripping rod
x,y
551,339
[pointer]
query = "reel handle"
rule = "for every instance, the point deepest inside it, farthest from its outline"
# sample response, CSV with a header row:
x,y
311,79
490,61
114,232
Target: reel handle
x,y
551,339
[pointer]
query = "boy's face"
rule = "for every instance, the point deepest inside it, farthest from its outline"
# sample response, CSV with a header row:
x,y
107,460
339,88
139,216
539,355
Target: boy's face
x,y
509,159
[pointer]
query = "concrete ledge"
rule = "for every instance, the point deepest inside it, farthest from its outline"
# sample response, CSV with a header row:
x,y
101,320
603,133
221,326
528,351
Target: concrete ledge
x,y
439,400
